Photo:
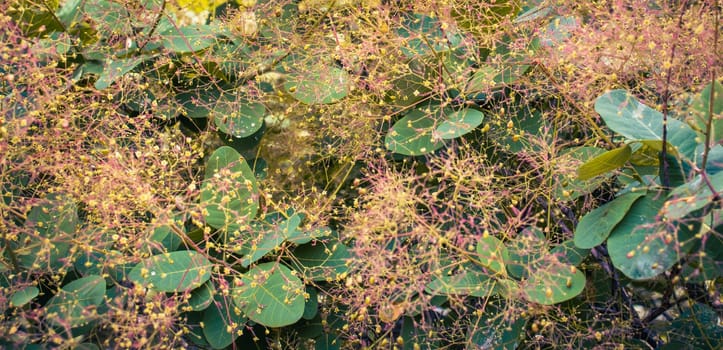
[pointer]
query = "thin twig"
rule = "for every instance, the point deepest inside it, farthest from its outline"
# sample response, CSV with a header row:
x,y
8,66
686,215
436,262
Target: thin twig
x,y
664,166
154,27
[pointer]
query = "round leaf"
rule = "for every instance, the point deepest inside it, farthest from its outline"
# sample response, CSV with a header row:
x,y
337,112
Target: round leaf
x,y
624,114
554,284
322,262
493,253
75,303
595,227
320,87
24,296
643,247
172,272
202,297
271,295
245,119
229,192
412,135
189,38
459,123
56,220
217,319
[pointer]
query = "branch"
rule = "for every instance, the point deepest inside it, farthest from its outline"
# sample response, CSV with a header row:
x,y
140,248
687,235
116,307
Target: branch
x,y
154,27
664,175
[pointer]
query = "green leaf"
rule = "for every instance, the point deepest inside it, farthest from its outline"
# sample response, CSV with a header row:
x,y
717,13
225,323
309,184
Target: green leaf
x,y
199,103
163,239
413,135
202,297
525,252
493,332
311,308
555,283
229,192
243,121
461,279
595,227
264,239
114,69
69,12
642,246
568,253
569,187
303,237
24,296
700,108
172,272
322,261
271,295
624,114
459,123
493,253
217,318
604,163
189,38
75,304
56,221
319,87
691,196
110,17
697,327
421,31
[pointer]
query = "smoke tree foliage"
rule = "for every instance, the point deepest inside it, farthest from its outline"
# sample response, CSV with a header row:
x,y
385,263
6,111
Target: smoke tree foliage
x,y
360,174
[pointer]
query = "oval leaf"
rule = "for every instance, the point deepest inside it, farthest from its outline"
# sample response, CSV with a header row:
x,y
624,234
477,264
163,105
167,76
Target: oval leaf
x,y
243,121
595,227
172,272
229,192
322,261
624,114
459,123
24,296
554,284
271,295
189,38
493,253
217,319
412,135
75,303
320,87
604,163
642,246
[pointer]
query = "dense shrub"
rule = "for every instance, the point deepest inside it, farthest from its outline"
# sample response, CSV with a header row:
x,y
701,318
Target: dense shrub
x,y
360,174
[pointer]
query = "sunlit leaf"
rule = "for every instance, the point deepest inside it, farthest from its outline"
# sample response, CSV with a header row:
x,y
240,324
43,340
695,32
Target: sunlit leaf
x,y
172,272
413,135
271,295
595,227
459,123
604,163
